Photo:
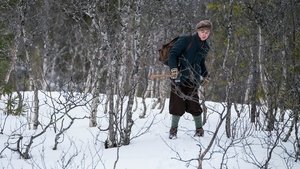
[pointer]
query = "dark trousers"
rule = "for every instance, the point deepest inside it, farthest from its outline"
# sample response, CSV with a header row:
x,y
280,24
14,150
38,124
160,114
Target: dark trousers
x,y
183,99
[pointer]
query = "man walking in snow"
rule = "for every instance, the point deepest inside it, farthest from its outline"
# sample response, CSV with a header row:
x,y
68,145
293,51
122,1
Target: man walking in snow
x,y
188,72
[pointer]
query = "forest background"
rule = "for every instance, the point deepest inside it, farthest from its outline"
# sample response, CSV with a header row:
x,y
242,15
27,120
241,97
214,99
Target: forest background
x,y
111,47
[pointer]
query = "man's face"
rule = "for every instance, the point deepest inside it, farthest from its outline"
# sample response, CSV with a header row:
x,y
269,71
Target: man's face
x,y
203,34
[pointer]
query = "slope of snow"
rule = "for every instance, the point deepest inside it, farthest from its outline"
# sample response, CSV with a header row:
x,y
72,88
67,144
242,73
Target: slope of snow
x,y
83,147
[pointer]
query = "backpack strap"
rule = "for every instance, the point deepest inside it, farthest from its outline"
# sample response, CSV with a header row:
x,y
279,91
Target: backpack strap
x,y
189,45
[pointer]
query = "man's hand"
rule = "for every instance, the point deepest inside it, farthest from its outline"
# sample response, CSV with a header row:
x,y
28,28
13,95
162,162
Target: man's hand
x,y
204,81
174,73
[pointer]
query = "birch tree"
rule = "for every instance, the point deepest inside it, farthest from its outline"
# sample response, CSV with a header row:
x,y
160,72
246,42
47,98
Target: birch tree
x,y
31,65
113,59
135,70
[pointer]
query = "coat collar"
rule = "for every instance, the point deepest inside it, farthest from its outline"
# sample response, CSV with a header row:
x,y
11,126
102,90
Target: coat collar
x,y
197,39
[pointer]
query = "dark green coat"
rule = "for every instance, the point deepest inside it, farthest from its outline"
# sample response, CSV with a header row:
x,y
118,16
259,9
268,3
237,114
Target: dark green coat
x,y
188,54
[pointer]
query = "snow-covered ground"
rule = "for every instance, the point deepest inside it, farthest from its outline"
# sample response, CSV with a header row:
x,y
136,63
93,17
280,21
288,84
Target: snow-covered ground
x,y
83,147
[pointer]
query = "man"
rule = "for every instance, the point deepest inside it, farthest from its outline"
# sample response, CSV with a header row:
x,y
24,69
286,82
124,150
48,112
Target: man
x,y
188,72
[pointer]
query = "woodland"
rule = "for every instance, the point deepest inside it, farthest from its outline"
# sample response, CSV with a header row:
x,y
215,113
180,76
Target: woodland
x,y
110,47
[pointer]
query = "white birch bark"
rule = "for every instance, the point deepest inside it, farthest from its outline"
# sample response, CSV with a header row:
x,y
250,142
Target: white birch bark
x,y
94,107
112,116
46,42
228,74
36,73
250,78
33,84
134,74
262,72
111,55
150,85
284,74
95,87
96,72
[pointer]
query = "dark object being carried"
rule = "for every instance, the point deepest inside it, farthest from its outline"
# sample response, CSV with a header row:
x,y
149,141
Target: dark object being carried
x,y
165,50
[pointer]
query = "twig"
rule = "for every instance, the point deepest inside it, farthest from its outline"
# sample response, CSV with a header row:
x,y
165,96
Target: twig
x,y
159,76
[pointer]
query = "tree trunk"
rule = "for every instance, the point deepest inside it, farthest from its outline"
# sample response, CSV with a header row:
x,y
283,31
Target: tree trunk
x,y
113,55
253,81
261,69
35,113
33,67
45,84
268,100
94,106
112,114
35,64
228,74
135,71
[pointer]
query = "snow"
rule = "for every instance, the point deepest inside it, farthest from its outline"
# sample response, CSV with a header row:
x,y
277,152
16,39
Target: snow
x,y
83,147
